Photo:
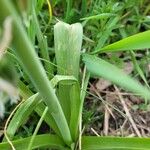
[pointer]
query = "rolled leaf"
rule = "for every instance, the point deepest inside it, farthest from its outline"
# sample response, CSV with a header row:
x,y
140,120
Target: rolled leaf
x,y
68,41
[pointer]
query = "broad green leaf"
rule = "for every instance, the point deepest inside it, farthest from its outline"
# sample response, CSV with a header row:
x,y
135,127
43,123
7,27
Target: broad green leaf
x,y
30,62
136,42
114,143
76,108
25,92
40,141
101,68
68,41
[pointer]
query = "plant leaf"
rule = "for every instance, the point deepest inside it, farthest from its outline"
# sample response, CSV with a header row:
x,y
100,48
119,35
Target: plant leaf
x,y
30,62
76,109
99,16
134,42
68,41
101,68
114,143
45,140
22,114
26,94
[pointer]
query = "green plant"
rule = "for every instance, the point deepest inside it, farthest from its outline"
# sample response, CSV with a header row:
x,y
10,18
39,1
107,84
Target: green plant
x,y
59,102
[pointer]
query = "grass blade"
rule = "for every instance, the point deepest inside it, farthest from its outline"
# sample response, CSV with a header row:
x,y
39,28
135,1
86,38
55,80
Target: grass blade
x,y
46,140
117,143
135,42
22,114
37,129
99,16
138,69
26,94
26,54
84,7
42,41
101,68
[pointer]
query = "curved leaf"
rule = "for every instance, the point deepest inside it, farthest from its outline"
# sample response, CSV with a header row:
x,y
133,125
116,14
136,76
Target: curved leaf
x,y
46,140
22,114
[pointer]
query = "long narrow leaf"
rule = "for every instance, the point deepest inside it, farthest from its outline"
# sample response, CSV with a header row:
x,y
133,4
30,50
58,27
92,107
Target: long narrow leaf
x,y
31,64
101,68
135,42
37,128
99,16
22,114
42,41
115,143
26,94
47,140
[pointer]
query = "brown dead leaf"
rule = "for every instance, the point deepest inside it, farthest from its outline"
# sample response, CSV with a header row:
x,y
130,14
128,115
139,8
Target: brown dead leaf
x,y
102,84
128,67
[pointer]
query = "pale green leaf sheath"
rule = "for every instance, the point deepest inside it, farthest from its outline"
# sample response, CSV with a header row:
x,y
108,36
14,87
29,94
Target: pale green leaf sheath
x,y
68,41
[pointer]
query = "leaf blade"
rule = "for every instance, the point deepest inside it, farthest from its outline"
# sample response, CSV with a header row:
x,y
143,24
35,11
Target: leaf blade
x,y
117,143
101,68
45,140
26,54
134,42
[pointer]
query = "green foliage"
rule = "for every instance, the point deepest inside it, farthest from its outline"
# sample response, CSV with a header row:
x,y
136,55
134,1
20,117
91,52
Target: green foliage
x,y
53,88
111,143
47,140
135,42
110,72
35,70
68,41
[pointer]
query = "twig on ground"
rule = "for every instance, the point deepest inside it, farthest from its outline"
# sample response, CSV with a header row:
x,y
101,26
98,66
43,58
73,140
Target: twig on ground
x,y
127,112
94,132
106,121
